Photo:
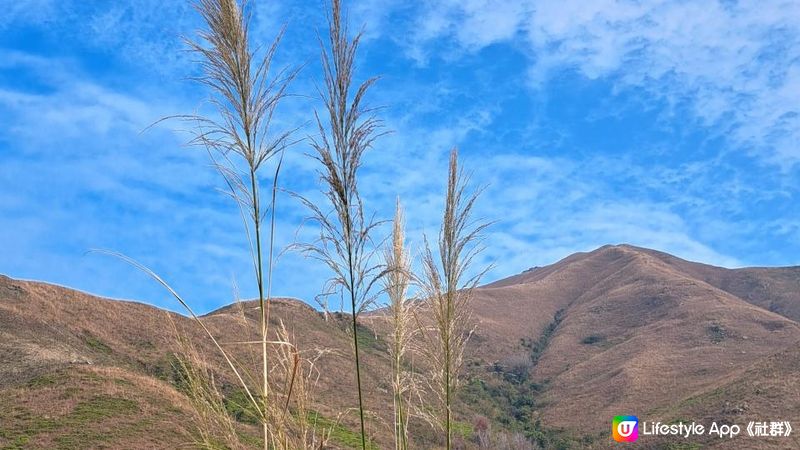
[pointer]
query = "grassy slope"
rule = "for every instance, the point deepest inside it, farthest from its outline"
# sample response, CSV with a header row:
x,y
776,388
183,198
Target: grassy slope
x,y
48,332
558,350
86,406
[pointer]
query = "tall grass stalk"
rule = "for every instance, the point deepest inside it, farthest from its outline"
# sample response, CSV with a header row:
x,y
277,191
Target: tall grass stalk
x,y
396,283
241,139
347,131
447,287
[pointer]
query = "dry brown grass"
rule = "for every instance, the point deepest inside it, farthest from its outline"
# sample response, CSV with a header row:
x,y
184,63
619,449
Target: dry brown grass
x,y
347,131
139,338
240,139
641,305
214,425
447,287
246,95
403,327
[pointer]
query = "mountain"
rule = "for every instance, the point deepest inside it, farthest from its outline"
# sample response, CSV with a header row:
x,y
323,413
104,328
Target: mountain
x,y
556,353
635,331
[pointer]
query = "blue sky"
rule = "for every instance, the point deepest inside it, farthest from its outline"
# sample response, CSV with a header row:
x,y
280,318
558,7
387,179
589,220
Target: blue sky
x,y
671,125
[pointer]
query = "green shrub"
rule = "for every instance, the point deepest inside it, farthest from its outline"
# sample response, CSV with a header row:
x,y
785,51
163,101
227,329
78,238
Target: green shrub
x,y
592,339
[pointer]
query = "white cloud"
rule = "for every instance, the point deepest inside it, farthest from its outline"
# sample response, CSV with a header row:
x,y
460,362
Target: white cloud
x,y
144,193
82,108
735,64
548,208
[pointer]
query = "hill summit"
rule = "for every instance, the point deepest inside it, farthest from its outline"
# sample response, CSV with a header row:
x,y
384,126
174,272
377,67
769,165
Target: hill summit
x,y
557,352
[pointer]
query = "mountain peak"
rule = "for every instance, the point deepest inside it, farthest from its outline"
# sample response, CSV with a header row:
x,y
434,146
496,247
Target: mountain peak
x,y
580,330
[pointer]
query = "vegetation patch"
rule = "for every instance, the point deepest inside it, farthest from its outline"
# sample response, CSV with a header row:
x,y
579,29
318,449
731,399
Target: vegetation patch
x,y
717,333
19,442
42,381
94,343
146,345
339,434
704,398
368,340
170,370
240,408
593,339
101,407
508,395
463,429
512,407
18,426
540,345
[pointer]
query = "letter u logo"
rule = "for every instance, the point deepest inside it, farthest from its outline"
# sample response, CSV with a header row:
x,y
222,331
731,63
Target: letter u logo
x,y
625,428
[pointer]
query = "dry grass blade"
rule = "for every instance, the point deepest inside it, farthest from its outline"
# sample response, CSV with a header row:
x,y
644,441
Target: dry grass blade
x,y
344,244
246,95
215,426
447,289
240,138
396,283
228,359
301,377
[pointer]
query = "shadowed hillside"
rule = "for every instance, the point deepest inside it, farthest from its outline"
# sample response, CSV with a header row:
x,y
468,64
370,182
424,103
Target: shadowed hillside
x,y
558,351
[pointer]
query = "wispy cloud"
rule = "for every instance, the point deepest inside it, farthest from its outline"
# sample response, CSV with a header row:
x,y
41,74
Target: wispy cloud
x,y
662,124
735,64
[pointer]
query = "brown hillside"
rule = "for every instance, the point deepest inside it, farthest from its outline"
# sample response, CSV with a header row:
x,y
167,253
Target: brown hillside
x,y
776,289
61,335
558,351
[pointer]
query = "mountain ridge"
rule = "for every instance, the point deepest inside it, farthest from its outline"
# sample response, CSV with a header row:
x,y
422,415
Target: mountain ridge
x,y
593,335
